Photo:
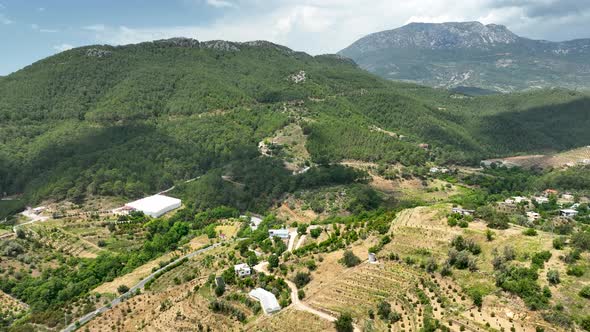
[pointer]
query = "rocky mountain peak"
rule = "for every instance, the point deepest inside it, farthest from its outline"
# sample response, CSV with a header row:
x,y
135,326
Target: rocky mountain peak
x,y
438,36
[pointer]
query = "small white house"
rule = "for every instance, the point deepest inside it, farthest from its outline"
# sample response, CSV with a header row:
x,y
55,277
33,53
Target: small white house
x,y
39,209
283,233
268,300
435,170
154,206
541,200
463,211
519,199
567,197
532,216
372,258
242,270
568,213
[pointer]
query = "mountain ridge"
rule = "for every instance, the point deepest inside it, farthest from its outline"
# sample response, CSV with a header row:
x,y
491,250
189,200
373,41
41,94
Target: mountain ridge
x,y
130,120
455,54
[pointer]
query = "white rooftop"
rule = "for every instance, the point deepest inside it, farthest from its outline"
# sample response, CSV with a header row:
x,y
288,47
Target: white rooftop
x,y
155,205
268,301
241,266
570,211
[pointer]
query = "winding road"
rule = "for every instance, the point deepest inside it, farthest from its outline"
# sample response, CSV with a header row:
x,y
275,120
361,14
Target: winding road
x,y
141,285
297,304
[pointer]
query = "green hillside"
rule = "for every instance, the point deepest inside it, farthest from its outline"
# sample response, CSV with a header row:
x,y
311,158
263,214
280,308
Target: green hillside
x,y
135,119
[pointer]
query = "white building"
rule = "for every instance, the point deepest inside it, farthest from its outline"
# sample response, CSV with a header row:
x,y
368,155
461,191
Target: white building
x,y
463,211
254,222
242,270
533,216
372,258
155,206
268,300
439,170
283,233
519,199
567,197
569,213
541,199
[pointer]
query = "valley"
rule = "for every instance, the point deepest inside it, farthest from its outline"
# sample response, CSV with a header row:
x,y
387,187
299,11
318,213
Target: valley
x,y
314,196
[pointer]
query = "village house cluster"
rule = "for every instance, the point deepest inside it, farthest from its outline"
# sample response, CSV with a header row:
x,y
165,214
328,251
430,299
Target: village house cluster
x,y
566,202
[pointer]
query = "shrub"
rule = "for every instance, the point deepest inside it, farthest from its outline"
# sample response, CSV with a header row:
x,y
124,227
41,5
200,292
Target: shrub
x,y
273,261
523,282
344,323
431,265
220,289
315,233
553,277
301,279
558,243
122,289
585,292
384,310
575,270
572,256
581,240
302,229
301,294
538,260
530,232
349,259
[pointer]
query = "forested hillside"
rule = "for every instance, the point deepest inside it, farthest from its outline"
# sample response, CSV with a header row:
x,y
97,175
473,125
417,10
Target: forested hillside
x,y
130,120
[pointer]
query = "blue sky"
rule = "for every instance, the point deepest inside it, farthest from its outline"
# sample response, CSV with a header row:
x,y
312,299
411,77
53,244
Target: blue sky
x,y
33,29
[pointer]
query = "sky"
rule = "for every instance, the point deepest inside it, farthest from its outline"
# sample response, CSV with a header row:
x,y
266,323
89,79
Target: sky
x,y
33,29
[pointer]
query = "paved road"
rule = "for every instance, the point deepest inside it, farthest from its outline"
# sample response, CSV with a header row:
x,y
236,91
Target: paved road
x,y
292,236
89,316
173,187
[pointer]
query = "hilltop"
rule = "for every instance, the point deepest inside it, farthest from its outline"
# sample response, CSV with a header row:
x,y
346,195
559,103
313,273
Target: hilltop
x,y
471,54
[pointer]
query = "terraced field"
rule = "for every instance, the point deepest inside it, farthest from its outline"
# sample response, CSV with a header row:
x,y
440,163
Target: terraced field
x,y
11,308
64,241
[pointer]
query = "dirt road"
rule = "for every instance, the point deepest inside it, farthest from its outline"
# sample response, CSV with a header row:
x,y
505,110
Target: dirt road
x,y
297,304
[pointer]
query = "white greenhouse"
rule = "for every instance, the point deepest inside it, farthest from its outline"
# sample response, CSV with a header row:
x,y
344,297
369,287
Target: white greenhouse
x,y
155,206
268,301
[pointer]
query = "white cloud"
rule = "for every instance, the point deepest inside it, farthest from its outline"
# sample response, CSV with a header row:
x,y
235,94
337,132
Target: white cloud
x,y
41,9
63,47
95,27
5,20
43,30
220,3
326,26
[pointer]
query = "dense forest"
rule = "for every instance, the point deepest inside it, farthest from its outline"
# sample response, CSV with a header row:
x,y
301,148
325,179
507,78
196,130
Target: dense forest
x,y
130,120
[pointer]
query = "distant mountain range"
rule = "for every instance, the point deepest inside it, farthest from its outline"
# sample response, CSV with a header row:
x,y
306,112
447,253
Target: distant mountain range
x,y
470,54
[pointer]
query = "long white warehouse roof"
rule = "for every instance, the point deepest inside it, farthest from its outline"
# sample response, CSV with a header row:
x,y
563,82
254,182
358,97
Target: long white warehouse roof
x,y
268,301
155,205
